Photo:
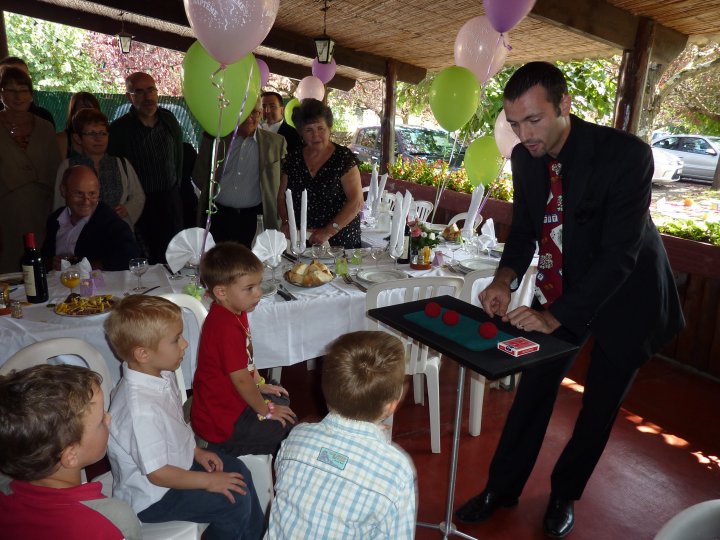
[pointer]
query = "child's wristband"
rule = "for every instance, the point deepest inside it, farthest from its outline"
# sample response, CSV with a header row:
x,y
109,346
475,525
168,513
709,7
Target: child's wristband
x,y
260,382
271,409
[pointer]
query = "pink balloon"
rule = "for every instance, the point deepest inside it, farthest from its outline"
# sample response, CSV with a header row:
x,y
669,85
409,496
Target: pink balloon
x,y
505,14
479,48
264,71
230,29
324,72
310,87
505,137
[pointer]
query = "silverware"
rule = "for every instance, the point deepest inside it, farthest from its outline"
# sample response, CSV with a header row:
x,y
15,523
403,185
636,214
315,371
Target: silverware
x,y
285,296
289,257
282,288
453,269
350,281
150,289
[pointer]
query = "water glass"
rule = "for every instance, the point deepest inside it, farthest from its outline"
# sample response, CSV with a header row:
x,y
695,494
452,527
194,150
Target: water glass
x,y
138,267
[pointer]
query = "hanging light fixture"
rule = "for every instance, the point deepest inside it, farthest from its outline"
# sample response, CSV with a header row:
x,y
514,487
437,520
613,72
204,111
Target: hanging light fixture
x,y
124,39
324,45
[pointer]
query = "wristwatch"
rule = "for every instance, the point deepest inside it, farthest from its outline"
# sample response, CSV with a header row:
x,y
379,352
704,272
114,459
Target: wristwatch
x,y
336,226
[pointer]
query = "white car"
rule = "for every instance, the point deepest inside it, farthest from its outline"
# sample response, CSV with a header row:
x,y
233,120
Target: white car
x,y
668,166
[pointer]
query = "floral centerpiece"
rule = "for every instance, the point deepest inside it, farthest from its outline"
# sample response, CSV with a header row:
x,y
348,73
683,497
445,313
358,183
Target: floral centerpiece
x,y
422,241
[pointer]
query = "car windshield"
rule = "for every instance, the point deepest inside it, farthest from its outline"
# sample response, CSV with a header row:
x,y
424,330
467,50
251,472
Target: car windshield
x,y
420,141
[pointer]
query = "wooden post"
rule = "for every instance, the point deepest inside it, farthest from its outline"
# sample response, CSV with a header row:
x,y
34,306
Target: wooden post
x,y
387,123
633,77
3,37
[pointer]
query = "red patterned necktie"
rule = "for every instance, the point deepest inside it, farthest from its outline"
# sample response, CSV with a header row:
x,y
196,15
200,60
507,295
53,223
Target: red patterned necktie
x,y
548,284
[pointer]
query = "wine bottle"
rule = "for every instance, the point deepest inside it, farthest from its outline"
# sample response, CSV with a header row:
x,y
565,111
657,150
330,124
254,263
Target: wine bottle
x,y
36,287
405,257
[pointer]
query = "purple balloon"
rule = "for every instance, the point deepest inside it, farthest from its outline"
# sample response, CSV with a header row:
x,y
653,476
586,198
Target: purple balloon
x,y
505,14
324,72
264,71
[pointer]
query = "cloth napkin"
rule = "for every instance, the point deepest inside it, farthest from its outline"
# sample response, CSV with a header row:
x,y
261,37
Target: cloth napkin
x,y
187,247
475,201
83,267
269,246
373,191
398,225
303,218
291,218
487,237
380,191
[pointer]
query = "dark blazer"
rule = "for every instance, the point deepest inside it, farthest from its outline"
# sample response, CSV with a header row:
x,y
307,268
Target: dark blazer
x,y
617,282
292,137
106,240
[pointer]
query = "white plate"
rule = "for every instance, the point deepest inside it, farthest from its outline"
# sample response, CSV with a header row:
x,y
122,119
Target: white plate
x,y
436,226
380,276
268,289
470,265
13,278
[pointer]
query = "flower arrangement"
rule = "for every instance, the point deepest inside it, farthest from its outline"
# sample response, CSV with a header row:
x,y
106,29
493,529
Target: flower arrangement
x,y
421,236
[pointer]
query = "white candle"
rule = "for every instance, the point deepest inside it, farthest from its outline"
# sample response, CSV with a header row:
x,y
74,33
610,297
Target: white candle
x,y
291,218
303,218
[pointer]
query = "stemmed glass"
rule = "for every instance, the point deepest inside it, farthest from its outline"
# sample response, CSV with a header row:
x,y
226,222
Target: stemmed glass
x,y
138,267
70,278
454,244
273,262
375,254
394,255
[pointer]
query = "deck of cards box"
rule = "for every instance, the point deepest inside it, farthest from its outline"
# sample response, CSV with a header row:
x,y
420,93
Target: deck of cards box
x,y
518,346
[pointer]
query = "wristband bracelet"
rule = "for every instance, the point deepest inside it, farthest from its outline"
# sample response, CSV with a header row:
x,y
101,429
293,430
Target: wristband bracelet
x,y
271,409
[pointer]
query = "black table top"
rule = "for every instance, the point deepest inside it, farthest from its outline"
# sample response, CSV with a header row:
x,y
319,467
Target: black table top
x,y
491,363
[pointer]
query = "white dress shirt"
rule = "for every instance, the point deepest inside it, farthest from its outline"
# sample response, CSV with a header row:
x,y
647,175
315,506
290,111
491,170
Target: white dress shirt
x,y
67,234
240,182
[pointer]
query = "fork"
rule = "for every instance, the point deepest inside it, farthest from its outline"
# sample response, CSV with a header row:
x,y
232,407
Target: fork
x,y
350,281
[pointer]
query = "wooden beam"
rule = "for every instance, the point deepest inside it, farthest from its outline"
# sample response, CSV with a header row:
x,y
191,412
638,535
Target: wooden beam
x,y
601,21
298,71
3,37
387,124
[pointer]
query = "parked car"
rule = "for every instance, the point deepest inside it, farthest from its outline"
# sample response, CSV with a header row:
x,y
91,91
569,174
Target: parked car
x,y
410,142
668,167
698,152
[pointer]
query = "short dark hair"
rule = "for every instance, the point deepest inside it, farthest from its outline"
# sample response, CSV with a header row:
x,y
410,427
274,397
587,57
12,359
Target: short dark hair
x,y
10,60
83,117
75,99
362,372
278,96
543,73
16,75
41,414
310,111
225,262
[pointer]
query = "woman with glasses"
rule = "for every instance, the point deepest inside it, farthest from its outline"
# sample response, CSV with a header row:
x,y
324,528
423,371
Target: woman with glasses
x,y
120,187
28,162
67,145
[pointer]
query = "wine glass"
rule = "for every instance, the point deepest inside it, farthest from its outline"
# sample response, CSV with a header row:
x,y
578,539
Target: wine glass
x,y
273,262
70,278
138,267
317,250
375,254
394,255
453,245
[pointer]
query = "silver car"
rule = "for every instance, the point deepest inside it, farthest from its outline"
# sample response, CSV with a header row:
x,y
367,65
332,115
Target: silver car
x,y
698,152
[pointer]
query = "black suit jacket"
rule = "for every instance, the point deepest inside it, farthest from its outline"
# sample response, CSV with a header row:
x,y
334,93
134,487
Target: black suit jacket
x,y
106,240
292,137
617,282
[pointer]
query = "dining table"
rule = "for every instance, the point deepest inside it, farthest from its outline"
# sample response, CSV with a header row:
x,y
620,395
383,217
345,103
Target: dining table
x,y
287,329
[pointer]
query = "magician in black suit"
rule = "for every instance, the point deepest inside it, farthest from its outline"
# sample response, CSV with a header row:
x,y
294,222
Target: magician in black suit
x,y
614,283
273,117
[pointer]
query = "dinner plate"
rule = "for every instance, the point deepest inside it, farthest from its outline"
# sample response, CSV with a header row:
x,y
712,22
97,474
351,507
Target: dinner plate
x,y
268,288
380,276
112,301
13,278
286,274
470,265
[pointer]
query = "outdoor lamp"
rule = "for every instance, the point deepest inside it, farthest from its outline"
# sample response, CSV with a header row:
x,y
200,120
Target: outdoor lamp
x,y
324,45
124,42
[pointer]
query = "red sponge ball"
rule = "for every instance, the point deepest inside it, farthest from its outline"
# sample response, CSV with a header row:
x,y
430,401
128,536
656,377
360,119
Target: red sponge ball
x,y
488,330
432,309
451,318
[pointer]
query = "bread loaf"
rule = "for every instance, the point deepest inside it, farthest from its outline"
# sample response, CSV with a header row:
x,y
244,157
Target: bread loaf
x,y
308,275
451,232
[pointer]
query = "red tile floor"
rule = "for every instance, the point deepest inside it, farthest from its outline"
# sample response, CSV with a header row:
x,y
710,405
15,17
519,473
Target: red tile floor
x,y
663,454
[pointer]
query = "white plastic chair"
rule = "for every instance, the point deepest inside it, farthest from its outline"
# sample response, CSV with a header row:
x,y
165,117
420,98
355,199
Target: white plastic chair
x,y
699,522
389,199
42,351
462,216
422,209
419,359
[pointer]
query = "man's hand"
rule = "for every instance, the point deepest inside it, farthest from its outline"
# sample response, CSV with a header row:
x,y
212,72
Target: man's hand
x,y
226,483
495,299
531,320
283,414
121,210
273,389
209,460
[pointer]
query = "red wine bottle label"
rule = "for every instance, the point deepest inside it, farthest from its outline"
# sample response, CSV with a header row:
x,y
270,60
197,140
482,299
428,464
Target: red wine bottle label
x,y
29,279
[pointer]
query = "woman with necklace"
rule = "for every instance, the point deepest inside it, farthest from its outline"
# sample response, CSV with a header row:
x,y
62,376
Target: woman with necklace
x,y
329,173
28,161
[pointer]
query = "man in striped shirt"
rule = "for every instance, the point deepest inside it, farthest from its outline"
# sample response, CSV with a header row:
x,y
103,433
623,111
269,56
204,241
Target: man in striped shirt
x,y
151,138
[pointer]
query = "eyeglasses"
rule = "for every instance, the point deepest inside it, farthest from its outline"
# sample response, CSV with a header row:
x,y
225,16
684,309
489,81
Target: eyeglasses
x,y
80,196
16,91
94,134
139,92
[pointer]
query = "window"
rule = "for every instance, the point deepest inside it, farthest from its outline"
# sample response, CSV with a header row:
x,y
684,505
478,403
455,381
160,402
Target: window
x,y
671,143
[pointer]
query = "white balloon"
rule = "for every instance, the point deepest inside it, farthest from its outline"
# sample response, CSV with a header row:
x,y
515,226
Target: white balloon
x,y
479,48
505,137
310,87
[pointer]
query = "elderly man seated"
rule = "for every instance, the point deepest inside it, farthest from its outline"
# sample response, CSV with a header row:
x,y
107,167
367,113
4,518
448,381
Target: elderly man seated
x,y
86,227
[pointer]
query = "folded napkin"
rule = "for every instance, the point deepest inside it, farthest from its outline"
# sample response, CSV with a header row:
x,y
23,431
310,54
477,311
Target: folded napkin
x,y
291,218
380,192
398,226
373,190
487,237
269,246
187,247
83,267
475,201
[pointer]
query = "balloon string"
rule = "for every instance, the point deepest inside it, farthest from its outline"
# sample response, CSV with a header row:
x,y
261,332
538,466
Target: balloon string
x,y
240,113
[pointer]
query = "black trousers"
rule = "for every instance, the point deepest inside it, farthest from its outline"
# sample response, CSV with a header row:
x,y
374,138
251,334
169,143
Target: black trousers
x,y
235,224
608,381
161,219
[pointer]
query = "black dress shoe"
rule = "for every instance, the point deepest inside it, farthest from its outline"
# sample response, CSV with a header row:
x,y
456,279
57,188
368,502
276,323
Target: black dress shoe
x,y
482,506
559,517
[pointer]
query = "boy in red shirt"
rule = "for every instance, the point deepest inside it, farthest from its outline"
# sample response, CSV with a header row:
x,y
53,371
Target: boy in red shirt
x,y
233,409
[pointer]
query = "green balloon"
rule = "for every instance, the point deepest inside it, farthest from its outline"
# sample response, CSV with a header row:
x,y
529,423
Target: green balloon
x,y
202,96
289,108
454,97
482,161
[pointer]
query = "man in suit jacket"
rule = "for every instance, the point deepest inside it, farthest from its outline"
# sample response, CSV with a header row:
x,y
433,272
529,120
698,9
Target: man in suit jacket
x,y
274,114
249,177
582,192
86,227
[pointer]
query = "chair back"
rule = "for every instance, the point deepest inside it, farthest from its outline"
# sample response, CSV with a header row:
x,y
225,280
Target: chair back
x,y
406,290
462,216
42,351
467,294
198,309
422,209
389,199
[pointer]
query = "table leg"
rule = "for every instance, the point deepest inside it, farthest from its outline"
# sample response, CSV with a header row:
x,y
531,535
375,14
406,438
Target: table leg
x,y
447,527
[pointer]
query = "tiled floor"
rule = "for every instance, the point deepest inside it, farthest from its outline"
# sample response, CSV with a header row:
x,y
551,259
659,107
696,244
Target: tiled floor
x,y
663,455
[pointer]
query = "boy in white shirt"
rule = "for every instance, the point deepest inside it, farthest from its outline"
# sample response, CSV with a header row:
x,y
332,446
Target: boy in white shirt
x,y
157,467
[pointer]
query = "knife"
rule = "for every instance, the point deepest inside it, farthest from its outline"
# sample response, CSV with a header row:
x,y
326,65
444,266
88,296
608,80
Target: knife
x,y
285,296
150,289
290,295
289,257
